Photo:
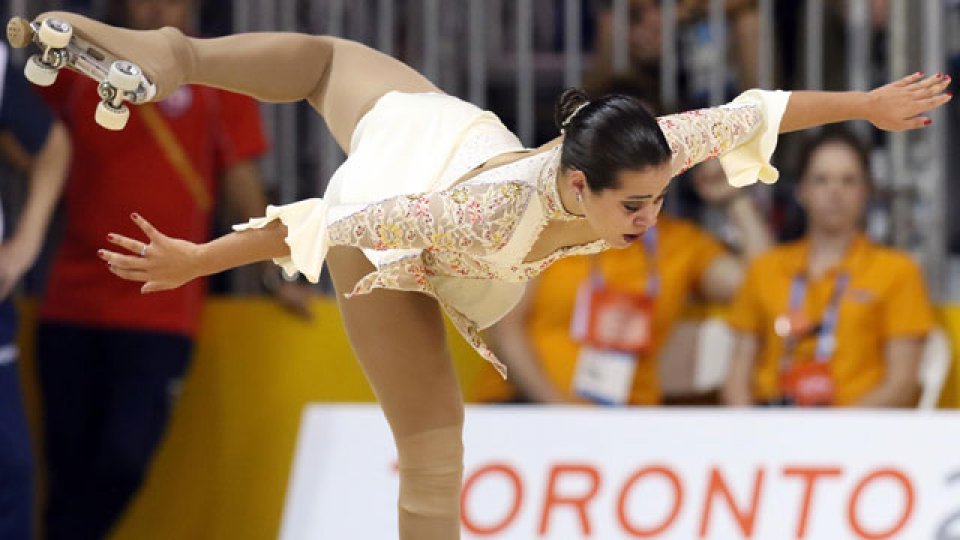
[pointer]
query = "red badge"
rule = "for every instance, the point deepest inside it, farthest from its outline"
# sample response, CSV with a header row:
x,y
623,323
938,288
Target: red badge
x,y
809,384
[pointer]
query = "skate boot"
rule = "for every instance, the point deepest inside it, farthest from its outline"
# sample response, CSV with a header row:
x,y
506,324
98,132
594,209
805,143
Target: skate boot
x,y
129,65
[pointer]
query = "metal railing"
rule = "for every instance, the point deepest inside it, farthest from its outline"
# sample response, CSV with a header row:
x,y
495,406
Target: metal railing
x,y
465,46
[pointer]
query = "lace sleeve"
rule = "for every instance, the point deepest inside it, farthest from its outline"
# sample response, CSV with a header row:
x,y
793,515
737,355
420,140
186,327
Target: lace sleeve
x,y
742,133
474,218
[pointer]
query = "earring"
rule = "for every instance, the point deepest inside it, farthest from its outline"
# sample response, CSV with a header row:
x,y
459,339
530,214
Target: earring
x,y
579,196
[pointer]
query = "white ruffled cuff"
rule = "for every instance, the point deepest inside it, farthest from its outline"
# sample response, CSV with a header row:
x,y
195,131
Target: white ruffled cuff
x,y
306,223
750,161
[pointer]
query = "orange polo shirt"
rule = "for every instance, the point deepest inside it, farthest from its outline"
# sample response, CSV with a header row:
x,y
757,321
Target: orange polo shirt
x,y
885,298
683,255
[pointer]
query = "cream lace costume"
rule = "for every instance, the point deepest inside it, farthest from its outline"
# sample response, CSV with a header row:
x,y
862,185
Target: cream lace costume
x,y
397,198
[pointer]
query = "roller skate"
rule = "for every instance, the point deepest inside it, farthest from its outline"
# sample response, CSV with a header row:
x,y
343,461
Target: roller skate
x,y
67,40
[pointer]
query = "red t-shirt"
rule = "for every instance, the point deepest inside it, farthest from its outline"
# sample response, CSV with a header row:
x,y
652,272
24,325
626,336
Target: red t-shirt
x,y
116,173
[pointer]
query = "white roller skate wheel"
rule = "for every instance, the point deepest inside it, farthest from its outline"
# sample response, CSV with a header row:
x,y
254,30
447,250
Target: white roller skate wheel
x,y
110,117
124,76
55,33
39,73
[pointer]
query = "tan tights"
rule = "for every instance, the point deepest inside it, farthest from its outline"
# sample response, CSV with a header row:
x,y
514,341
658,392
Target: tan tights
x,y
399,339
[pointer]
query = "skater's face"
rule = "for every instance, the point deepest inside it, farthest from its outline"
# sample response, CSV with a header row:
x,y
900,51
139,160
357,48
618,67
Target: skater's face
x,y
152,14
621,214
834,190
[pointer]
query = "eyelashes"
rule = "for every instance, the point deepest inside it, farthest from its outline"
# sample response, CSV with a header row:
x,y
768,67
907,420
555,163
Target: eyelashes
x,y
637,207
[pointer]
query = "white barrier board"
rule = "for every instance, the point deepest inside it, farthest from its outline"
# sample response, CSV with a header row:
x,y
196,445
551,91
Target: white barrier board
x,y
566,473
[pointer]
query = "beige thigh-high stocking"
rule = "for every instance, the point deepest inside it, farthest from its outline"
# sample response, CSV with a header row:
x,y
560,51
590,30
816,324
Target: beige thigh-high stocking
x,y
340,78
399,339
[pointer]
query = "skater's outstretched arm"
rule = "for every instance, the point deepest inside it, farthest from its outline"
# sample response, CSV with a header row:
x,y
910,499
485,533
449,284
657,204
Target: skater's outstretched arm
x,y
699,135
898,106
463,219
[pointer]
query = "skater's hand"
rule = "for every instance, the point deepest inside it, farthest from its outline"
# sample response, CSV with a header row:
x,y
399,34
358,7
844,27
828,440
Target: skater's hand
x,y
163,263
901,105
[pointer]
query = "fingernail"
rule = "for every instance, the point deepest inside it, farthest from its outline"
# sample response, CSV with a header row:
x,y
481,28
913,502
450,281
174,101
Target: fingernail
x,y
110,237
100,252
949,94
135,215
928,121
939,75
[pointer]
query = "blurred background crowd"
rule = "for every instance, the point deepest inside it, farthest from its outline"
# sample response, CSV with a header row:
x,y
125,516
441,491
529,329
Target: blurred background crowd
x,y
832,287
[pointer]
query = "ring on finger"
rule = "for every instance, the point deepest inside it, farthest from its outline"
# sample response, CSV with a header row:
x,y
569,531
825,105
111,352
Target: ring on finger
x,y
143,251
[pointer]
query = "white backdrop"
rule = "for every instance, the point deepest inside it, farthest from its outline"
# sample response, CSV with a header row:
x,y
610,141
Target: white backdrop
x,y
562,473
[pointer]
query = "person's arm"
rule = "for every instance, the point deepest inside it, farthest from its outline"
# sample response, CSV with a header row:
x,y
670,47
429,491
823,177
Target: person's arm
x,y
738,386
725,274
899,386
905,317
474,219
510,340
243,187
743,133
48,171
722,278
897,106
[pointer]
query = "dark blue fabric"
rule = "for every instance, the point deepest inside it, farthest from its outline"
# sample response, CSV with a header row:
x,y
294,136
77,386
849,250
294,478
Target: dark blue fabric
x,y
107,396
8,322
16,458
22,112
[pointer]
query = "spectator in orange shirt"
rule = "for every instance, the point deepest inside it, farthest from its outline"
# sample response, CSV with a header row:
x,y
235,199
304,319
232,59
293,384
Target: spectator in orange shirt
x,y
832,319
674,262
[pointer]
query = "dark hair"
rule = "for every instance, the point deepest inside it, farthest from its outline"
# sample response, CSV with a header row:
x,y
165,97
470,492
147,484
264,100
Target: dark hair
x,y
830,135
608,135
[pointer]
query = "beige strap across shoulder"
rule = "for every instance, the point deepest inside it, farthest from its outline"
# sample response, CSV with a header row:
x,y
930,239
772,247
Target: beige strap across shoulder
x,y
175,153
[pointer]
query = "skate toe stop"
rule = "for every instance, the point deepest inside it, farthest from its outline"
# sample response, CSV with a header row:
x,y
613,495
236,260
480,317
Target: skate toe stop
x,y
19,32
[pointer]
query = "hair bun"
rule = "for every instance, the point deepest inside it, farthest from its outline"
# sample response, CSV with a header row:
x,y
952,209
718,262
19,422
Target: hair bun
x,y
568,104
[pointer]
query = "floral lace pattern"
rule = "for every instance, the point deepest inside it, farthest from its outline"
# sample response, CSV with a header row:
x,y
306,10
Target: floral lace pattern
x,y
474,219
697,136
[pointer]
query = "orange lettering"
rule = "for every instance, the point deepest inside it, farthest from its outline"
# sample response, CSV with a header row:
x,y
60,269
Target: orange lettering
x,y
484,530
745,518
666,523
577,501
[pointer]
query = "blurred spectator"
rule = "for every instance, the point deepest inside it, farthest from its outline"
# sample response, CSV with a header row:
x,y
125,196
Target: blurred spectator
x,y
698,45
695,46
832,319
643,36
675,261
110,359
36,145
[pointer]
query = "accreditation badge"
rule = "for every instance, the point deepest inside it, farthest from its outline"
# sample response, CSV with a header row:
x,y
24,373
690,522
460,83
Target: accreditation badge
x,y
613,328
809,384
604,376
606,318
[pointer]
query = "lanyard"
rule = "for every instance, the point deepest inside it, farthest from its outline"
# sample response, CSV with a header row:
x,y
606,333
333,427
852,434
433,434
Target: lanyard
x,y
650,248
827,331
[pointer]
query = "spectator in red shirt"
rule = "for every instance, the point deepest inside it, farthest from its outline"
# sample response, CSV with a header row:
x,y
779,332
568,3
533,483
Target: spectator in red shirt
x,y
110,358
